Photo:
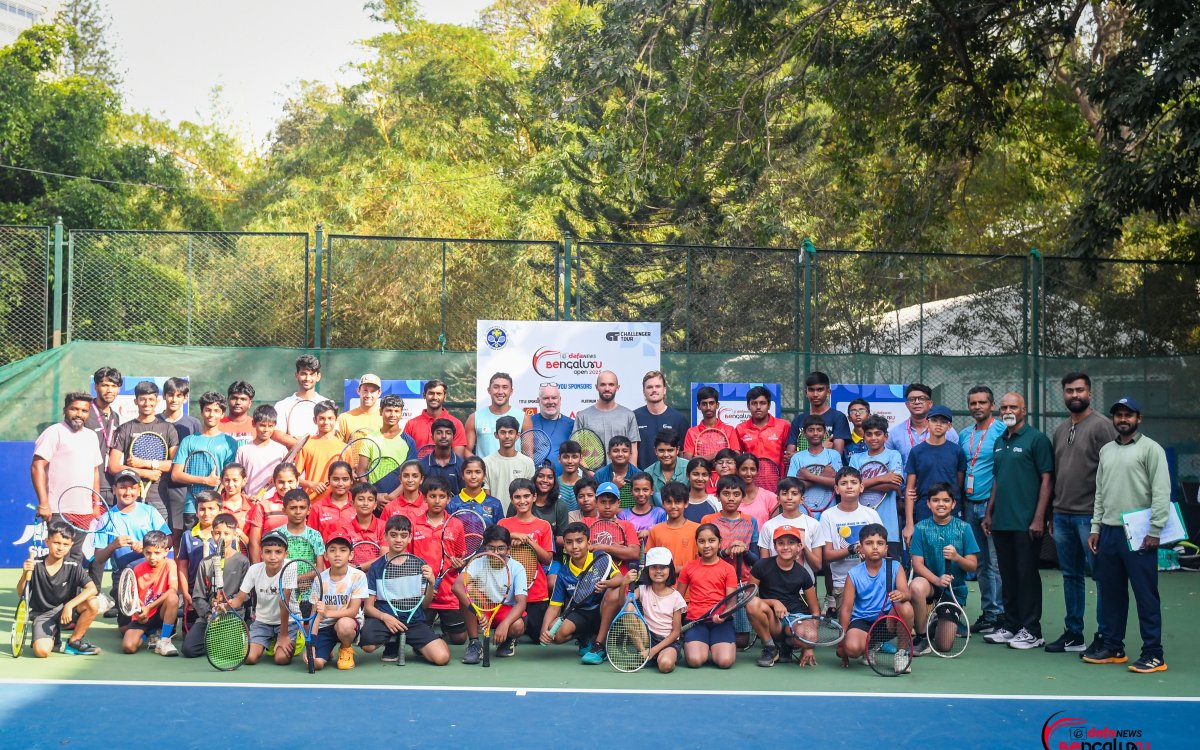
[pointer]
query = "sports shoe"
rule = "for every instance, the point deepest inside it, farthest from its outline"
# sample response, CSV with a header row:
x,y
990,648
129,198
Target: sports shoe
x,y
584,646
830,603
1103,655
1024,640
152,641
1097,644
1148,664
345,657
164,647
391,652
921,645
1068,641
595,655
999,635
770,655
474,653
507,648
80,647
984,625
787,653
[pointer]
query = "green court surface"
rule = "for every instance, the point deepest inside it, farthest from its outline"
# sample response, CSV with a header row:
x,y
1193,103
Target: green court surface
x,y
984,670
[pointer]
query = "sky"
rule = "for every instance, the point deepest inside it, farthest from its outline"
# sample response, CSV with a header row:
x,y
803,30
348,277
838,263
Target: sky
x,y
172,53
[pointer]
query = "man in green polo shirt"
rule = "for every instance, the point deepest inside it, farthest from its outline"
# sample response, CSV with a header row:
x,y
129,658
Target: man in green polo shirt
x,y
1132,475
1023,471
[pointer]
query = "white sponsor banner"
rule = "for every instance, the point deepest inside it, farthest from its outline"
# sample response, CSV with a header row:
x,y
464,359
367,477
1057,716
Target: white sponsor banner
x,y
568,354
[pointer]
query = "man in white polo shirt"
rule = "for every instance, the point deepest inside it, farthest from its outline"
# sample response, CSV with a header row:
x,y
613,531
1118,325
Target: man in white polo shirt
x,y
66,455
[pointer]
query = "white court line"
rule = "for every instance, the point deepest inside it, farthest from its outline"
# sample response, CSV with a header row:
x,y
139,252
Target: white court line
x,y
614,691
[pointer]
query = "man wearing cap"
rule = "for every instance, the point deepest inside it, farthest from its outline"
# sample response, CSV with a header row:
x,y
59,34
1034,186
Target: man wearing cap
x,y
1132,475
1023,469
1077,444
784,587
363,419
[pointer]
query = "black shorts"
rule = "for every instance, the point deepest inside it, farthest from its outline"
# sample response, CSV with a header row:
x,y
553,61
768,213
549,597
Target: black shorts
x,y
862,623
45,624
451,620
535,615
586,622
656,639
325,640
154,623
374,633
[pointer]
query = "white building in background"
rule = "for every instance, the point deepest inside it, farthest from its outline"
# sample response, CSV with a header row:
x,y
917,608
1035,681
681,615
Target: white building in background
x,y
18,15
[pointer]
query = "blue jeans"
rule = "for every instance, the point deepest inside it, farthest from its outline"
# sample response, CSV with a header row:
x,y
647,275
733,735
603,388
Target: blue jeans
x,y
1077,563
987,571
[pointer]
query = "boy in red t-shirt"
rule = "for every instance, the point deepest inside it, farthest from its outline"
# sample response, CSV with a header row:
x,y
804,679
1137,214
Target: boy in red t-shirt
x,y
445,605
533,547
158,597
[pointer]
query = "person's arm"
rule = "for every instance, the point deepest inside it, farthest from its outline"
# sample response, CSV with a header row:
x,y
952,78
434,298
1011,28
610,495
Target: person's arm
x,y
921,569
199,598
179,476
38,470
181,573
87,592
910,501
833,554
469,431
1038,526
986,523
1159,475
848,597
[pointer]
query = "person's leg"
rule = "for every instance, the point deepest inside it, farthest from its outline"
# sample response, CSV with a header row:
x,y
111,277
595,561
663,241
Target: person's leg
x,y
193,641
1083,528
1006,557
1142,569
1029,584
1071,563
1114,583
987,570
920,590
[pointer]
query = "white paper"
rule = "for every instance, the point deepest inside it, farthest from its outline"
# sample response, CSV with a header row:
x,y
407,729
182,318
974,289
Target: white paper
x,y
1137,526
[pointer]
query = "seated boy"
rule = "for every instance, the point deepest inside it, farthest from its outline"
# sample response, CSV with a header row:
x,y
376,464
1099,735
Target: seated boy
x,y
619,469
128,522
868,594
584,620
383,623
943,551
158,598
784,588
343,591
58,590
233,571
508,622
196,544
262,579
444,608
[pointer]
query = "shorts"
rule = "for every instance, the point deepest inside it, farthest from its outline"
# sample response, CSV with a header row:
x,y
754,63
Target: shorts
x,y
501,613
936,593
325,639
174,515
374,633
711,633
586,621
656,639
862,623
262,634
535,615
838,595
154,623
45,624
451,620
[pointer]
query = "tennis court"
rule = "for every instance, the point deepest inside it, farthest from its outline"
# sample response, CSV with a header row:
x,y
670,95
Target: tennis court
x,y
997,697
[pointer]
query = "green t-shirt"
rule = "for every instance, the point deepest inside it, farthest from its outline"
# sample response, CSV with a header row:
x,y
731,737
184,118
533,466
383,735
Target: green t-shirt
x,y
1019,464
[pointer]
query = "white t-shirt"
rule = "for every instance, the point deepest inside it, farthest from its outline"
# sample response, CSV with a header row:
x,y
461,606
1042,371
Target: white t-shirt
x,y
840,529
260,462
266,587
811,527
501,470
337,594
659,611
304,426
73,458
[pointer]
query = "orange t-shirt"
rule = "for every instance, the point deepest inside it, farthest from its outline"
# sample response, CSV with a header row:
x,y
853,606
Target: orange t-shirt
x,y
541,533
706,585
154,582
681,541
314,458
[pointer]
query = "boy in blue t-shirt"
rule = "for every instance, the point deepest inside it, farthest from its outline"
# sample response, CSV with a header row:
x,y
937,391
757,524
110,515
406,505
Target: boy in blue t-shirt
x,y
210,438
943,549
875,434
868,594
819,484
935,460
127,522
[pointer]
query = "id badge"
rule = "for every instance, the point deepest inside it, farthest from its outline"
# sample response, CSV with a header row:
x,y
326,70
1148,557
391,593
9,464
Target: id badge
x,y
970,485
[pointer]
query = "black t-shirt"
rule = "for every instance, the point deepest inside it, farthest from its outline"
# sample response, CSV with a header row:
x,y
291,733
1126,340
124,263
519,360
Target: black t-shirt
x,y
649,426
787,586
49,591
124,436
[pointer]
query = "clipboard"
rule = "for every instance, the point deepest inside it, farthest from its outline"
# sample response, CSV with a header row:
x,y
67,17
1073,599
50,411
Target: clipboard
x,y
1137,526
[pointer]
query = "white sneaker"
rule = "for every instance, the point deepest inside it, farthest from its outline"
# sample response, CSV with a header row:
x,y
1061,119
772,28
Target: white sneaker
x,y
165,648
1025,640
830,603
1000,635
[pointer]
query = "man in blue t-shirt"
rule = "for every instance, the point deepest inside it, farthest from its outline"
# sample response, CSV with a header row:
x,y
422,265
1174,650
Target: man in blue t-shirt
x,y
935,460
655,417
978,445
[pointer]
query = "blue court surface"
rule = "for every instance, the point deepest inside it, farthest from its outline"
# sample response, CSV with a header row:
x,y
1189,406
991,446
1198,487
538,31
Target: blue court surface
x,y
81,714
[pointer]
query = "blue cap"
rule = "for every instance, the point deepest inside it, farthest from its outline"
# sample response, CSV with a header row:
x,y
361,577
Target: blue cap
x,y
608,488
941,411
1128,403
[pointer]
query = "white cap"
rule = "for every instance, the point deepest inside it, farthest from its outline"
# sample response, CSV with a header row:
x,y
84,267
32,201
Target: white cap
x,y
658,556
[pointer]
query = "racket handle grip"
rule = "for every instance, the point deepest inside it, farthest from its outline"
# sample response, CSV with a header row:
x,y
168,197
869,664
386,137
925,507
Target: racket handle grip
x,y
553,631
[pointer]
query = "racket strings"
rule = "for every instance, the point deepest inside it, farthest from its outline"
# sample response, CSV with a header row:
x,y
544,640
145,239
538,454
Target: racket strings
x,y
362,447
148,446
890,646
364,552
227,641
948,630
628,643
817,631
402,584
487,582
710,442
525,555
536,445
592,453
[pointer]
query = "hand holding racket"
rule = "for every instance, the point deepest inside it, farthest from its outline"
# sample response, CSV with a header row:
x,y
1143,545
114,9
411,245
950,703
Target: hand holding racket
x,y
18,634
586,585
817,497
404,584
487,581
724,609
873,496
227,637
461,537
300,588
147,451
128,598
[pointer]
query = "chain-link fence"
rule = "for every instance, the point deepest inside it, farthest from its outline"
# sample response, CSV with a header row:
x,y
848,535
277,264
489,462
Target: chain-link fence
x,y
188,288
24,291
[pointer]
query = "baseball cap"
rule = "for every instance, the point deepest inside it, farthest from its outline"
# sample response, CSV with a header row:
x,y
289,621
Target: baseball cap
x,y
786,530
941,411
1128,403
338,538
658,556
126,475
370,379
608,488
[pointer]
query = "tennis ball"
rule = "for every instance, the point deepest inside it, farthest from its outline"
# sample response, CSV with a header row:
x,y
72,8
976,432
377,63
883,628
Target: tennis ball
x,y
844,531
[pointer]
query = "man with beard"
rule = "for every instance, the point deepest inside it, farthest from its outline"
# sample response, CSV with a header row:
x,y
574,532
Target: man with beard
x,y
66,455
606,417
550,420
1077,443
420,428
1132,475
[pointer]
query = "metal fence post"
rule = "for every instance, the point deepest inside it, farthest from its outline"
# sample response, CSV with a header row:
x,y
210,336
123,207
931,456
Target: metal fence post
x,y
568,296
921,322
328,290
810,259
190,291
1035,339
56,340
317,276
687,307
442,332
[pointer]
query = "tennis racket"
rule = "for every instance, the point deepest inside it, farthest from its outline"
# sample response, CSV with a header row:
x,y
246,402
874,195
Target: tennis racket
x,y
17,635
403,588
461,537
598,570
227,636
361,448
364,553
948,628
425,450
736,530
626,493
524,554
605,531
128,599
387,475
199,463
592,455
487,581
818,498
536,445
150,448
299,548
768,475
628,642
815,630
300,587
301,421
84,510
709,441
873,497
731,603
889,641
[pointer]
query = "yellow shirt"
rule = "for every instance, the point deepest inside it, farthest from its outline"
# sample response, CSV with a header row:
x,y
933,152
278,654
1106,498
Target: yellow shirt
x,y
358,421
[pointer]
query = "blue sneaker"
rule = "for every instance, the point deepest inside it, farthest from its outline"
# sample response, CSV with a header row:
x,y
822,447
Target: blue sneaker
x,y
80,647
594,656
584,646
887,648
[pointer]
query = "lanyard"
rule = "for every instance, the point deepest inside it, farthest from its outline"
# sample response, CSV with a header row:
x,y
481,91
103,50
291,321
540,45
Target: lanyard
x,y
976,448
912,439
103,427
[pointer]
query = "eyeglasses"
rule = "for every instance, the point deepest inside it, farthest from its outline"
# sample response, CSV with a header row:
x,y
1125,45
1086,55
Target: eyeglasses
x,y
858,411
1071,435
918,399
499,550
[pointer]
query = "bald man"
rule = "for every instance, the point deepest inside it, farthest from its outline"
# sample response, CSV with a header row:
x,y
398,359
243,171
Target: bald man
x,y
550,420
606,417
1023,471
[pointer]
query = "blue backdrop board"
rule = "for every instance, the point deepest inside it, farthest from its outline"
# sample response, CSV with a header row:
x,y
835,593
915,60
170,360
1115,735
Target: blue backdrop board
x,y
17,503
887,400
124,404
732,396
409,390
